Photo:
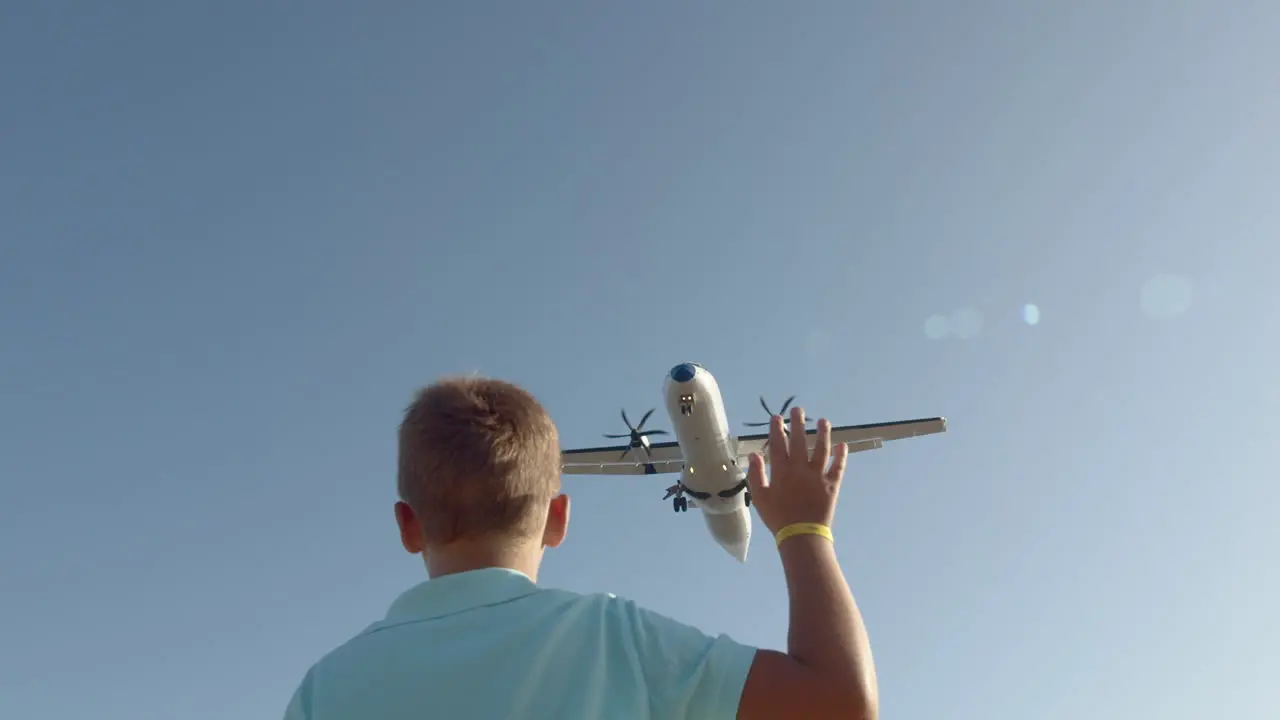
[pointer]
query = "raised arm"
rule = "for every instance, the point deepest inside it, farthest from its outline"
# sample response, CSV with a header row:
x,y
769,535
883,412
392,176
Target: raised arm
x,y
827,671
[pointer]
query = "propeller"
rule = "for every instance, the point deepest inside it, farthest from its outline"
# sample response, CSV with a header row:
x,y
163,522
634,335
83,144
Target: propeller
x,y
786,419
637,433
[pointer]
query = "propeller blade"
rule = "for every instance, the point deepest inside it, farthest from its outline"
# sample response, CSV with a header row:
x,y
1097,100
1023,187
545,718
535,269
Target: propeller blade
x,y
624,454
628,422
654,432
615,437
786,420
645,419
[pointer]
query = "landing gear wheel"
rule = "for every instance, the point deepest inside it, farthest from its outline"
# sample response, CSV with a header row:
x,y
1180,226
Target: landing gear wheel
x,y
675,503
684,505
747,497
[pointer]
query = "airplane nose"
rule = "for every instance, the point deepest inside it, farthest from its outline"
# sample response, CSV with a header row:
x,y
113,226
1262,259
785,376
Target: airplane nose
x,y
683,372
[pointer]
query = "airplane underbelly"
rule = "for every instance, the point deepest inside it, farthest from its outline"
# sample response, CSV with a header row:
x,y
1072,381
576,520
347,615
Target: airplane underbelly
x,y
711,468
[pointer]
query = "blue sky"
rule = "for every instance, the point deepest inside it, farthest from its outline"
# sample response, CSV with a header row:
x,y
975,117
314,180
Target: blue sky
x,y
235,237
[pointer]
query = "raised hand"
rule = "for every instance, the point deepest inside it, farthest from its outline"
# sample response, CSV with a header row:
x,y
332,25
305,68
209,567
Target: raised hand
x,y
799,487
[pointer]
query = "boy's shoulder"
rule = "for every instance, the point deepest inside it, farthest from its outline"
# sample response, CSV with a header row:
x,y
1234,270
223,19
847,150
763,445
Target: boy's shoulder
x,y
620,614
645,628
604,599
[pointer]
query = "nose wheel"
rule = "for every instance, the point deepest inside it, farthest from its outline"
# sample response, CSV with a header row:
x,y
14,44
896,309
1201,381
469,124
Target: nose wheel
x,y
746,497
680,504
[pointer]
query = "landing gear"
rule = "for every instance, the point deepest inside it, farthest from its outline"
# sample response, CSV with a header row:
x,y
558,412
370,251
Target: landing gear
x,y
680,504
746,496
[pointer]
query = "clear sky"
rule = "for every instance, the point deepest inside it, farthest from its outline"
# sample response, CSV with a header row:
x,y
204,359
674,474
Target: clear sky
x,y
235,238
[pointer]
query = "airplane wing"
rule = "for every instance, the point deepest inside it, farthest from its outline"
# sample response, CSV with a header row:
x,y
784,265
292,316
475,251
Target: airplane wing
x,y
859,437
623,460
627,468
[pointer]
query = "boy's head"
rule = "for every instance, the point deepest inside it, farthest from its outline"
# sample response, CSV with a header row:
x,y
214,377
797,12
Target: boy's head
x,y
479,466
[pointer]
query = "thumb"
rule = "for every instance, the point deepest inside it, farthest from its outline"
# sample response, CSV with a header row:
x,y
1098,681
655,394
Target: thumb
x,y
755,475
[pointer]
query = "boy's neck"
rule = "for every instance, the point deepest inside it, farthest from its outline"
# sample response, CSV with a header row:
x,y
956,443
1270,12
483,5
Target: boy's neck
x,y
465,556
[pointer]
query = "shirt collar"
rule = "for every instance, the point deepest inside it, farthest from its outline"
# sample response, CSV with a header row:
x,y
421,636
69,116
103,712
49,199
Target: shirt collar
x,y
450,594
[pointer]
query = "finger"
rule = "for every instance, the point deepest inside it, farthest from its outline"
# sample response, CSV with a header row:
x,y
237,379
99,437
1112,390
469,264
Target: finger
x,y
756,479
822,445
799,450
838,459
777,441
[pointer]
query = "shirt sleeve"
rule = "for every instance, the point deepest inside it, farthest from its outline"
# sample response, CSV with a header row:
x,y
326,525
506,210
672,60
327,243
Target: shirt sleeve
x,y
688,673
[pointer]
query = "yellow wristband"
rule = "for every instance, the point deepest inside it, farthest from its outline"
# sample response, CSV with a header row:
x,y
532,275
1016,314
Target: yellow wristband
x,y
803,529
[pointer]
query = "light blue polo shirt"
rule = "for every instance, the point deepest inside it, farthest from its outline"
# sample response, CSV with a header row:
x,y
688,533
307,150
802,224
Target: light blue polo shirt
x,y
489,644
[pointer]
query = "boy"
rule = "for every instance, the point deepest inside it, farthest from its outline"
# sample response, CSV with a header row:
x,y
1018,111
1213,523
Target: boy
x,y
480,500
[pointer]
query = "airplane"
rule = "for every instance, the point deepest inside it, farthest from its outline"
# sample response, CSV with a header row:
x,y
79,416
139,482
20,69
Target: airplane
x,y
710,459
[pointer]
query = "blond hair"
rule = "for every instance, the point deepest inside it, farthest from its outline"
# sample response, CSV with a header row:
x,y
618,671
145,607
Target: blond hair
x,y
478,457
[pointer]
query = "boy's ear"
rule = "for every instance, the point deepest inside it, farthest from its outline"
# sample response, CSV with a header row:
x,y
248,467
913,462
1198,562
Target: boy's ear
x,y
410,528
557,521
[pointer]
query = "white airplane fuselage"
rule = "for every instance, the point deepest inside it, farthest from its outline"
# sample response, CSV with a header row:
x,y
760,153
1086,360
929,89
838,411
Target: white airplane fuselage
x,y
712,478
